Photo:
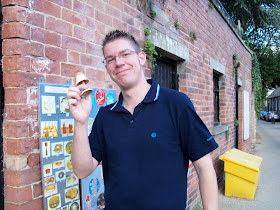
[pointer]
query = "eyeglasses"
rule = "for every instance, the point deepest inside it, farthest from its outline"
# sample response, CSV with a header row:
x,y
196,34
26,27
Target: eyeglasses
x,y
123,55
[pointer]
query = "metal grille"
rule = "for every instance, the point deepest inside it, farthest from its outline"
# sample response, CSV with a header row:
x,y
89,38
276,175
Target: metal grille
x,y
165,73
216,99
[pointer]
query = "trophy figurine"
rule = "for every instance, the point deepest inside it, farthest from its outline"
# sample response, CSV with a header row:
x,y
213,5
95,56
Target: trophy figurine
x,y
82,79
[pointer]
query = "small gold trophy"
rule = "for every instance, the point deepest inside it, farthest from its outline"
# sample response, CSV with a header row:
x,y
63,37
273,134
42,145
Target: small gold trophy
x,y
82,79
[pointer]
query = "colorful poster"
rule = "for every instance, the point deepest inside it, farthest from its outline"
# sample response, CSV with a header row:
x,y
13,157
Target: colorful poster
x,y
60,185
93,190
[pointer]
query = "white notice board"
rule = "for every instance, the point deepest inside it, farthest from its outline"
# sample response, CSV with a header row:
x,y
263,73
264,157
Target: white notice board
x,y
246,115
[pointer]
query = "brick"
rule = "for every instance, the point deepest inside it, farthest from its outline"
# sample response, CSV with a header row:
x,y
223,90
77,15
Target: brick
x,y
104,18
14,2
33,129
83,8
129,10
46,37
63,3
116,13
116,3
21,112
95,25
33,204
89,60
99,38
23,47
44,66
73,17
14,14
96,4
15,30
74,57
58,26
73,44
70,70
55,53
135,32
53,79
15,95
128,19
16,129
33,159
20,146
20,79
15,162
119,24
16,62
94,49
83,33
23,177
32,95
95,74
18,195
92,24
37,190
46,7
35,19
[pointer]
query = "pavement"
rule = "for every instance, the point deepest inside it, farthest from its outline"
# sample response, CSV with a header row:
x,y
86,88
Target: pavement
x,y
267,196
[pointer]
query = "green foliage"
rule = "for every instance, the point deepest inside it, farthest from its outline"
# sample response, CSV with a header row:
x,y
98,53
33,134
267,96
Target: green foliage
x,y
236,64
260,19
270,68
198,207
147,31
257,85
236,122
193,35
177,24
153,14
149,50
210,5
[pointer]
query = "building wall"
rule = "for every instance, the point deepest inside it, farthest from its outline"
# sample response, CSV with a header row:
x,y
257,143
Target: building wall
x,y
54,39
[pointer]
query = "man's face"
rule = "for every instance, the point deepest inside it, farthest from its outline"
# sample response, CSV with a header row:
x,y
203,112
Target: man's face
x,y
123,63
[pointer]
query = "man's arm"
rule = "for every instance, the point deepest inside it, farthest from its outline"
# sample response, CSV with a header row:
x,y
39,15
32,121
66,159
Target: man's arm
x,y
207,182
83,162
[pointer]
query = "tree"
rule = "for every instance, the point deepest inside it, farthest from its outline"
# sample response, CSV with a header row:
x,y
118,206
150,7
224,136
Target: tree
x,y
260,20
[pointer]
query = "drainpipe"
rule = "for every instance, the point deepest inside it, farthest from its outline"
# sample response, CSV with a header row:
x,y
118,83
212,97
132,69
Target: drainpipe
x,y
236,65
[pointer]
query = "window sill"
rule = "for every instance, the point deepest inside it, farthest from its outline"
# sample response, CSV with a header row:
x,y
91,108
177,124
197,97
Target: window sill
x,y
219,129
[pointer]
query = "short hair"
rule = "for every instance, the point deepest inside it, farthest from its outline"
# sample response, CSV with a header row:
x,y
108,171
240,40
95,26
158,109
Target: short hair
x,y
120,34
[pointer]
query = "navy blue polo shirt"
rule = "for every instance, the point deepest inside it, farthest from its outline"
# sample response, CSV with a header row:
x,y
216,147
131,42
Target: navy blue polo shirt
x,y
145,156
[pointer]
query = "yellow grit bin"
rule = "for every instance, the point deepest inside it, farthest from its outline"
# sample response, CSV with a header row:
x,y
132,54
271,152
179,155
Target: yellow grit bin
x,y
242,172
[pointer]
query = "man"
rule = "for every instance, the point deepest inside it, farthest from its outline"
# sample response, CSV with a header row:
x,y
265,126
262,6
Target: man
x,y
144,140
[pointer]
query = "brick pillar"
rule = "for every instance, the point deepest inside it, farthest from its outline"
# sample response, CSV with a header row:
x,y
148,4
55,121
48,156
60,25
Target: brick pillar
x,y
20,130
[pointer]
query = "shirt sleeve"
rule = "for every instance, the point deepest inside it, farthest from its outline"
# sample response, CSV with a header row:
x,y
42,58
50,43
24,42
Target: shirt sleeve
x,y
195,137
96,137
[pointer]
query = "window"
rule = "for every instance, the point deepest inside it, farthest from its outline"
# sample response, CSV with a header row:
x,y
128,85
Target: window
x,y
165,73
216,99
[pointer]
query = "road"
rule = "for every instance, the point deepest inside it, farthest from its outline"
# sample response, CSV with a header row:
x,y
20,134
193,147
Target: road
x,y
268,191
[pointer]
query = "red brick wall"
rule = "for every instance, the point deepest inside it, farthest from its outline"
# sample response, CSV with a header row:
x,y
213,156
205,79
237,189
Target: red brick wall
x,y
54,39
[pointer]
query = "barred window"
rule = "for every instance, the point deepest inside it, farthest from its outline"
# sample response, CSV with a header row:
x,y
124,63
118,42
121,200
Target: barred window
x,y
216,99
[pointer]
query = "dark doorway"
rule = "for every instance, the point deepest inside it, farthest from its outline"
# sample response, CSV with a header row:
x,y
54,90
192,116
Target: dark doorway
x,y
165,73
1,120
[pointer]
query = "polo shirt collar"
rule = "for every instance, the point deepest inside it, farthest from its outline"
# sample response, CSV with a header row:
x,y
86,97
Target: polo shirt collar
x,y
151,96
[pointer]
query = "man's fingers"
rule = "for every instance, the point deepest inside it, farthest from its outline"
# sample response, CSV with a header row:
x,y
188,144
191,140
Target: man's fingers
x,y
72,102
83,87
74,92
